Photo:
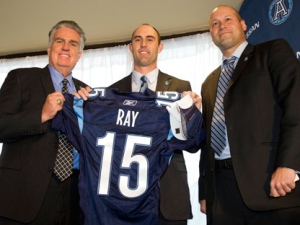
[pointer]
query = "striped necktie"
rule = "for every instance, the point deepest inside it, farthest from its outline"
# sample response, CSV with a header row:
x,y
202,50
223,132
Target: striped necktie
x,y
218,126
144,84
64,158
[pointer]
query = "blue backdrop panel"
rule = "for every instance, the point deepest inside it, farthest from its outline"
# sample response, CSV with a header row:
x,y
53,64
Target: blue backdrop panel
x,y
270,19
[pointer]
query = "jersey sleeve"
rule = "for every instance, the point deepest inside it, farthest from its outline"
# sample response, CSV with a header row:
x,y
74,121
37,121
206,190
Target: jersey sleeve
x,y
186,124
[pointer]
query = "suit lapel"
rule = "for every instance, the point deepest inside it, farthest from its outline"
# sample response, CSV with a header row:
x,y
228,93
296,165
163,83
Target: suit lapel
x,y
76,83
48,84
163,82
47,81
242,63
126,84
214,85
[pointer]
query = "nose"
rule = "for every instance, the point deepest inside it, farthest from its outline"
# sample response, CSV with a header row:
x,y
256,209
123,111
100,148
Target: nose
x,y
65,46
143,43
222,25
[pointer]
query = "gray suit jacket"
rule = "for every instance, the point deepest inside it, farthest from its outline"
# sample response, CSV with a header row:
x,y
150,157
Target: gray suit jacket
x,y
174,190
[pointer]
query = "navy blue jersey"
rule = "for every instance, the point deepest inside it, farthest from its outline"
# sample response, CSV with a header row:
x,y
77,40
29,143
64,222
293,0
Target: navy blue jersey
x,y
125,145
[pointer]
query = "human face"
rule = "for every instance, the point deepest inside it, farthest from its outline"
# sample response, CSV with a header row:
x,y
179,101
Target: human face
x,y
64,51
145,47
227,29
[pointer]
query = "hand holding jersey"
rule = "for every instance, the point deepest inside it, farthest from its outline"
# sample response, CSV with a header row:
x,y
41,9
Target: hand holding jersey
x,y
178,117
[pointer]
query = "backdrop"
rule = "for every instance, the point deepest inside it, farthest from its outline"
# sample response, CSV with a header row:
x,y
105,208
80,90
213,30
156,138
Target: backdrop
x,y
270,19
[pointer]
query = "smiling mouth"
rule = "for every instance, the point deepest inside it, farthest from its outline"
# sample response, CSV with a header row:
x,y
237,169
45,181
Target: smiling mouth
x,y
143,53
224,33
64,55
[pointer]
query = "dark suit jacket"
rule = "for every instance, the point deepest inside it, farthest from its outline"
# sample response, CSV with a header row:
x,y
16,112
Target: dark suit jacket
x,y
262,114
29,147
174,190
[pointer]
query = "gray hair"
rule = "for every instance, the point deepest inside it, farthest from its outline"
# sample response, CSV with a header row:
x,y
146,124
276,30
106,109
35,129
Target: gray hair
x,y
72,25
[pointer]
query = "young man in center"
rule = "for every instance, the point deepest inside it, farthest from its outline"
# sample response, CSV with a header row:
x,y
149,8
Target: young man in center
x,y
175,207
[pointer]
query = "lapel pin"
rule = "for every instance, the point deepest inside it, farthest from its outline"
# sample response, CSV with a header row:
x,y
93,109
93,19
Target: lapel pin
x,y
245,59
166,83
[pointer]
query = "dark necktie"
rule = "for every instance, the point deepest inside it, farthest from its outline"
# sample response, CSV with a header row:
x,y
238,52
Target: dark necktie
x,y
64,158
218,126
144,84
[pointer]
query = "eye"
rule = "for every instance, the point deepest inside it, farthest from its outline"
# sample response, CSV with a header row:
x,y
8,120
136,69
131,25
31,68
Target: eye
x,y
214,24
58,41
74,44
136,39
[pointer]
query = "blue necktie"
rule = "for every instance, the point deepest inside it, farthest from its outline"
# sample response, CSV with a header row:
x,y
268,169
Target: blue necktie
x,y
218,126
64,158
144,84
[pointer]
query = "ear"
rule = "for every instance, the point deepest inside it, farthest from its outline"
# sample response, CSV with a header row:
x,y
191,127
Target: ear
x,y
160,47
243,24
130,47
79,55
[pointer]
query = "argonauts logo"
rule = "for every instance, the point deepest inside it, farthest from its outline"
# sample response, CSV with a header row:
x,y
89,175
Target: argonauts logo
x,y
279,11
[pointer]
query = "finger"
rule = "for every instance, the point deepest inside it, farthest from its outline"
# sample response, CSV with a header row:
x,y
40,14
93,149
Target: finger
x,y
203,206
273,190
274,193
192,94
280,190
288,187
184,93
86,90
83,93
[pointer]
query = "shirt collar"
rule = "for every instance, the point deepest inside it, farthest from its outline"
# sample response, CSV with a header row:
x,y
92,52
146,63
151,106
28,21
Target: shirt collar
x,y
152,76
57,77
237,53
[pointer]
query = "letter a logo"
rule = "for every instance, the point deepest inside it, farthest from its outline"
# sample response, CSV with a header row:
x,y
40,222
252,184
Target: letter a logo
x,y
279,11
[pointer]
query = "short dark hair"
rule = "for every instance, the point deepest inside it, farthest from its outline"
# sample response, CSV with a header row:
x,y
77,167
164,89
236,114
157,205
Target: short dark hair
x,y
158,34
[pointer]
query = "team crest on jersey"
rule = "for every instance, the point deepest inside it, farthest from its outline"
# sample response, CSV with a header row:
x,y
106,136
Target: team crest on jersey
x,y
130,102
279,11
